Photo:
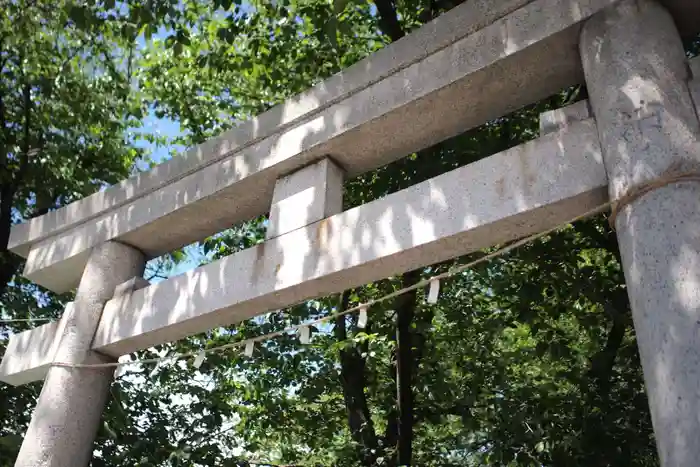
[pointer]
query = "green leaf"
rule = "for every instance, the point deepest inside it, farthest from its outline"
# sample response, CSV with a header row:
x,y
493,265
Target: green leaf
x,y
339,6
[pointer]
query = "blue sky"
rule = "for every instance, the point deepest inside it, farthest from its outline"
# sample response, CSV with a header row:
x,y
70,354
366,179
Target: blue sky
x,y
165,127
170,129
162,126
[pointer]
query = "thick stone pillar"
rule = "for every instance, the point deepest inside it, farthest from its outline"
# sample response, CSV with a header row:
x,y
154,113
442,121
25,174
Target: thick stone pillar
x,y
68,412
637,78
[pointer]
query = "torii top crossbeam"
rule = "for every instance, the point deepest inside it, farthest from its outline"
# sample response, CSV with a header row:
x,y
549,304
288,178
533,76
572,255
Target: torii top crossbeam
x,y
475,63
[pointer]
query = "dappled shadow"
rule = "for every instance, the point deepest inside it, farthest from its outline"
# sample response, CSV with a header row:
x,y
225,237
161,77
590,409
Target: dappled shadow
x,y
444,217
397,115
434,36
638,83
30,353
515,193
482,76
412,109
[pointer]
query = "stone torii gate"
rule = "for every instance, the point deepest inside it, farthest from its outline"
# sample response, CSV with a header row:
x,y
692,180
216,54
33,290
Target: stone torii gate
x,y
475,63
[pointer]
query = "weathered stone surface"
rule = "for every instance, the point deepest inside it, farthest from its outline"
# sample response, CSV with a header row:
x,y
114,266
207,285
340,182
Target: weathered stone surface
x,y
694,64
305,196
128,287
518,192
637,79
558,119
495,70
524,190
463,20
29,354
67,415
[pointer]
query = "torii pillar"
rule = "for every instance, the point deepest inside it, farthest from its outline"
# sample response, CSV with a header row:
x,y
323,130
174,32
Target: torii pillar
x,y
637,77
68,412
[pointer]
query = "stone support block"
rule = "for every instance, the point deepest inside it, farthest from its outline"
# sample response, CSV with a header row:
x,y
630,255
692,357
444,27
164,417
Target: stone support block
x,y
558,119
305,196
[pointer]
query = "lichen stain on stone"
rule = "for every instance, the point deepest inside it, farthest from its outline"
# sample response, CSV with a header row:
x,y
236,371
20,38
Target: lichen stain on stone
x,y
528,177
259,263
323,232
500,186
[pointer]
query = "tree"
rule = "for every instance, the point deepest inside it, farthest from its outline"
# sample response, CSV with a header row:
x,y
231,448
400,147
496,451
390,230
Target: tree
x,y
65,107
66,110
529,359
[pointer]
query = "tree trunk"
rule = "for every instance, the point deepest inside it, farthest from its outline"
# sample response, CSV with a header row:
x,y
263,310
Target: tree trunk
x,y
353,381
8,262
404,366
388,19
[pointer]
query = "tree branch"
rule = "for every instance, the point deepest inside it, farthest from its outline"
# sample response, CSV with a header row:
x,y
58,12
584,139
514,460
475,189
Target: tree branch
x,y
3,117
388,20
26,142
597,385
603,362
404,368
8,262
399,430
353,380
4,173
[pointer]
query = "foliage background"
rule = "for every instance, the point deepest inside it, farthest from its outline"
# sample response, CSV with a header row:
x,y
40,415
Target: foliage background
x,y
526,360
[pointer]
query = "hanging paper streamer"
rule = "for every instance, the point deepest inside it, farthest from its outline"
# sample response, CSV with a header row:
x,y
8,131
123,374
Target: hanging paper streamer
x,y
305,335
249,347
362,318
434,291
199,359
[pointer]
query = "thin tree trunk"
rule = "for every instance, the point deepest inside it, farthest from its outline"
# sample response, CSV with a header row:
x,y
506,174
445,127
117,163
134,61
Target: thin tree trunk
x,y
388,19
353,381
405,362
8,262
404,393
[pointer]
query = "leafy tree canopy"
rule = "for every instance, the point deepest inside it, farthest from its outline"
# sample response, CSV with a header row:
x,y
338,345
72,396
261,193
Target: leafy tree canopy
x,y
527,360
